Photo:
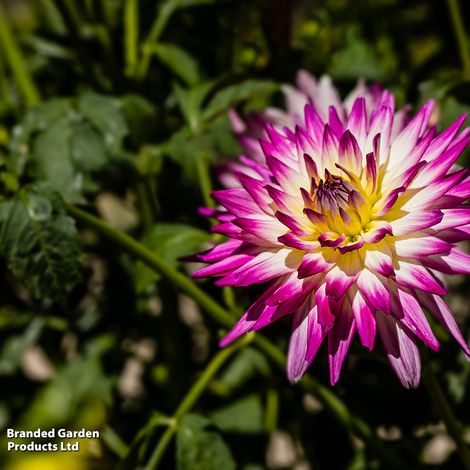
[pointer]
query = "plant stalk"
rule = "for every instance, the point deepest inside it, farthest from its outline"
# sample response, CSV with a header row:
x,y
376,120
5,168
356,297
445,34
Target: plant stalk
x,y
17,63
460,35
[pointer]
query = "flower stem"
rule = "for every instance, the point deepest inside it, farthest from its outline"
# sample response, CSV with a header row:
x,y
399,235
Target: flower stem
x,y
454,428
460,35
202,166
330,401
16,61
131,38
191,398
114,442
162,16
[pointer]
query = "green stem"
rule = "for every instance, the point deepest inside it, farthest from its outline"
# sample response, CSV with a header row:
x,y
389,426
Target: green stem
x,y
191,398
272,410
460,35
331,402
454,428
114,442
131,36
162,17
17,63
204,177
145,205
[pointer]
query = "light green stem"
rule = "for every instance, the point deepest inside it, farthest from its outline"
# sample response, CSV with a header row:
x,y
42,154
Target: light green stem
x,y
202,165
454,428
164,12
16,61
330,401
191,398
460,35
131,37
114,442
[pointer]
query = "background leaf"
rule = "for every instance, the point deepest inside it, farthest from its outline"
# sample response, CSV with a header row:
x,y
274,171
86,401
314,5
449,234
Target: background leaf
x,y
199,448
40,242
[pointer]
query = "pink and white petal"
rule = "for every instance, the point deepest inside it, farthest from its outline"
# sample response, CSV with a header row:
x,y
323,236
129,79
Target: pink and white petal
x,y
258,313
291,287
329,153
266,229
335,121
262,268
287,177
415,221
441,165
237,201
299,242
325,317
401,350
339,340
295,101
313,263
316,334
408,312
297,365
378,259
415,276
223,267
459,216
443,140
284,201
455,261
419,246
299,225
408,137
256,189
218,252
357,122
373,289
376,231
325,95
365,320
314,124
350,155
381,124
439,309
340,278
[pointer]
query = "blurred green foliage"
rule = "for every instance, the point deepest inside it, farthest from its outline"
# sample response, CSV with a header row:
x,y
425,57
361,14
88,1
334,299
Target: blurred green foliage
x,y
121,105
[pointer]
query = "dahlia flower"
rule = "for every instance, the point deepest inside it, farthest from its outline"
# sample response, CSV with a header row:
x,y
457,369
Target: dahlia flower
x,y
351,212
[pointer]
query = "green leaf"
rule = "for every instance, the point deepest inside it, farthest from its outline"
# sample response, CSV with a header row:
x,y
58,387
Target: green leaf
x,y
15,346
234,94
37,120
64,147
190,102
40,242
179,61
140,117
171,242
247,364
105,114
184,148
359,58
243,416
198,449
